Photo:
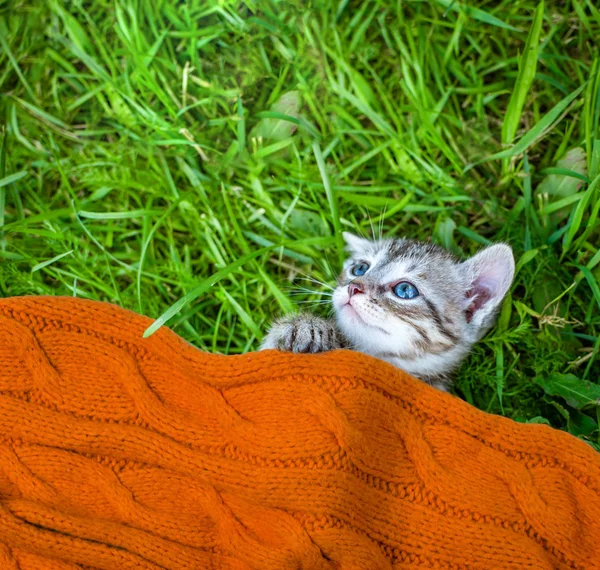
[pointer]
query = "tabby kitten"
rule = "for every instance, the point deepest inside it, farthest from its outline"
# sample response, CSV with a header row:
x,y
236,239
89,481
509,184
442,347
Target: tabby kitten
x,y
411,303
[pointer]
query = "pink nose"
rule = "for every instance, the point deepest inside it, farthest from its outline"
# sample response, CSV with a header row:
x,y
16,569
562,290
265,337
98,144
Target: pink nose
x,y
354,289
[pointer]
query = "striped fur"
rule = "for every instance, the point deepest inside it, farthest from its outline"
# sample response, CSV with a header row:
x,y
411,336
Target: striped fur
x,y
427,336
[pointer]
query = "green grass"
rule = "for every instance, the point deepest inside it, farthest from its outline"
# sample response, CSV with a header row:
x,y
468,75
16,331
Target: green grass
x,y
201,158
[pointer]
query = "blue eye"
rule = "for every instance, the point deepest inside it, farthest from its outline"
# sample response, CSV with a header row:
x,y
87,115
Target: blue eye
x,y
359,269
405,290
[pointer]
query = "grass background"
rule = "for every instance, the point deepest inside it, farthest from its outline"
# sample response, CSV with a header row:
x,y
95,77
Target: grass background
x,y
203,157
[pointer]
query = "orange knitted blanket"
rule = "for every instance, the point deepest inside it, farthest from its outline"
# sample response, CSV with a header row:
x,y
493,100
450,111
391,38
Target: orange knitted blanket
x,y
118,452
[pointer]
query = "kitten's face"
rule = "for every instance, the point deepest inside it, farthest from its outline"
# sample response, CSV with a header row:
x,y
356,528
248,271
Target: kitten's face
x,y
415,304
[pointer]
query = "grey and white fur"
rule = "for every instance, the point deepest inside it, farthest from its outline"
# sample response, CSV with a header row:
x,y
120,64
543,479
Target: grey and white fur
x,y
411,303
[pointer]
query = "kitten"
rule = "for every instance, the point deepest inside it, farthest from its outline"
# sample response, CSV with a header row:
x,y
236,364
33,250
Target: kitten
x,y
411,303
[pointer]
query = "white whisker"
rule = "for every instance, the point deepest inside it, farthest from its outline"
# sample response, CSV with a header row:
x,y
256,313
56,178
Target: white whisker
x,y
305,292
326,266
374,238
317,282
381,219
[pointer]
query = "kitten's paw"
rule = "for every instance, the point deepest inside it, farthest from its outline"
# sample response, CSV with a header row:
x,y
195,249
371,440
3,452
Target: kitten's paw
x,y
303,333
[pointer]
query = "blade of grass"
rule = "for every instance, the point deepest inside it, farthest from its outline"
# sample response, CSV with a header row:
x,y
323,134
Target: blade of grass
x,y
331,199
206,284
542,127
50,261
576,219
476,14
589,276
15,64
11,178
525,76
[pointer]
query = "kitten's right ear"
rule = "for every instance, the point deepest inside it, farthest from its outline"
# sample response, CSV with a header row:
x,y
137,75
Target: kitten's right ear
x,y
355,244
489,274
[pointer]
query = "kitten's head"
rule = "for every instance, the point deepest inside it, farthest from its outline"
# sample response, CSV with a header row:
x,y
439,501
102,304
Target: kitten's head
x,y
415,304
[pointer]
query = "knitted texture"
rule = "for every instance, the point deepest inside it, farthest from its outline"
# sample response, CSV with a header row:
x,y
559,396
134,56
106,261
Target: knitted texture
x,y
118,452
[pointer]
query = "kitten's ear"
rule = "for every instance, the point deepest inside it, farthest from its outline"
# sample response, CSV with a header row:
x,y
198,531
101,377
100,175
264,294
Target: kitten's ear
x,y
490,274
355,244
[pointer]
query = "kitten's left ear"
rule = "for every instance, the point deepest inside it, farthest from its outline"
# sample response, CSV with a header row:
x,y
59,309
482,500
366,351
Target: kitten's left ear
x,y
355,244
490,273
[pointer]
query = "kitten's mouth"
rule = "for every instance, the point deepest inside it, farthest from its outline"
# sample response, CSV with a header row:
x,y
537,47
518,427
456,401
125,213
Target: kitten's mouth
x,y
348,305
355,314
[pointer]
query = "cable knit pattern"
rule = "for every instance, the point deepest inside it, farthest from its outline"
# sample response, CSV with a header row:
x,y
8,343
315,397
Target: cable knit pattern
x,y
118,452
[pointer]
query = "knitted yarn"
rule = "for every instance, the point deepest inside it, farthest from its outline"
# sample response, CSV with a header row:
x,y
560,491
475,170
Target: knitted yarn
x,y
118,452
